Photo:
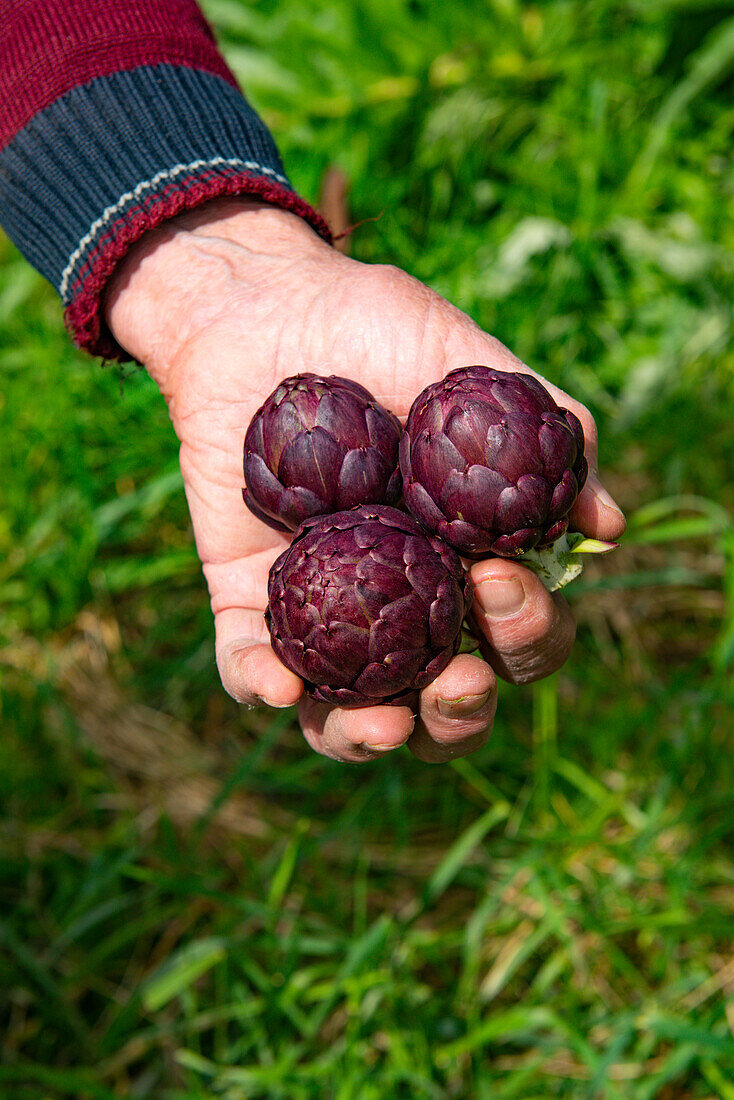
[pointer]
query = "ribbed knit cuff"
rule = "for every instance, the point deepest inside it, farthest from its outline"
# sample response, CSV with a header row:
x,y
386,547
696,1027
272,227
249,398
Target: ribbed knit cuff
x,y
88,175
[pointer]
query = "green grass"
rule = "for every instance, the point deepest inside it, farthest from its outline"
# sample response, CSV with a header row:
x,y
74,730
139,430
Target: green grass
x,y
193,904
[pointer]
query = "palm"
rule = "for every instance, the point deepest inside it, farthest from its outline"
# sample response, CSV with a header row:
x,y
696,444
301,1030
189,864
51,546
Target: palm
x,y
391,334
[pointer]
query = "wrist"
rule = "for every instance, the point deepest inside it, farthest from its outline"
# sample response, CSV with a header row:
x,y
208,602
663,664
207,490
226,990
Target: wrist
x,y
173,280
251,222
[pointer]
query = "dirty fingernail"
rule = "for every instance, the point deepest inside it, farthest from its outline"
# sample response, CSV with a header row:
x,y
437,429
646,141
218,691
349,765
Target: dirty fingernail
x,y
501,598
463,706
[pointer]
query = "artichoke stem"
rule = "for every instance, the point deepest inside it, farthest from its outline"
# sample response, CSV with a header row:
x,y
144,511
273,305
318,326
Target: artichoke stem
x,y
561,563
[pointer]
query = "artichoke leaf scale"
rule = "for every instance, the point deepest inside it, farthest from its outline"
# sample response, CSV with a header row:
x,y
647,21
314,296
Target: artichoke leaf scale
x,y
576,430
422,576
466,429
264,515
364,474
473,496
298,503
343,646
434,668
472,540
536,494
516,544
340,419
312,460
510,512
518,452
370,599
423,507
318,670
368,535
300,613
383,431
260,480
254,441
557,447
394,673
343,605
402,623
563,497
390,550
433,458
280,424
387,579
444,615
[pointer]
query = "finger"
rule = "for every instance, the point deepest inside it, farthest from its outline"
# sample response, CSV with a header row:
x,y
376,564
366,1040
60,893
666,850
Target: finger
x,y
249,670
525,631
595,513
456,711
354,735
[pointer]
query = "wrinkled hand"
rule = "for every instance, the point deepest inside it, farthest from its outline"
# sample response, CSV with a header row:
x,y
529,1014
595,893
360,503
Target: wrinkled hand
x,y
220,305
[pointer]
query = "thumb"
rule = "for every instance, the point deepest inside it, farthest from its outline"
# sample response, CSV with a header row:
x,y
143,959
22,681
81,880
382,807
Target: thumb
x,y
595,513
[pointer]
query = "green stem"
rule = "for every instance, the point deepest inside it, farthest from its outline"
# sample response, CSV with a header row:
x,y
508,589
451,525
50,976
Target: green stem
x,y
545,736
563,561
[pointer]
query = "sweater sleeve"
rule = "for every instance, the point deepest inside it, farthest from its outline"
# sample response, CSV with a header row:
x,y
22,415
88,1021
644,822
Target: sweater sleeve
x,y
115,115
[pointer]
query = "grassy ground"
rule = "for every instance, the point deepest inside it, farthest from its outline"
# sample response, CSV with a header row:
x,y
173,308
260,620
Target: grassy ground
x,y
193,904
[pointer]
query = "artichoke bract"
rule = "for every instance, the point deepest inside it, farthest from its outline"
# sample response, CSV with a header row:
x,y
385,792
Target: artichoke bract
x,y
491,463
319,445
365,607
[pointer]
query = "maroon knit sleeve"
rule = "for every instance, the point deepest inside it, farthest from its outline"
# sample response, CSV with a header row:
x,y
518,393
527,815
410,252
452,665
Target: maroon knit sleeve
x,y
116,115
52,46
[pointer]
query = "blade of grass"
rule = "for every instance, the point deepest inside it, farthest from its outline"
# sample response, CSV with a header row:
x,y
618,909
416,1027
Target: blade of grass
x,y
513,1023
461,851
545,736
181,970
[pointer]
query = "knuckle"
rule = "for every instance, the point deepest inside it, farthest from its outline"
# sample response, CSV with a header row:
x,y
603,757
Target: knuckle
x,y
392,273
544,650
544,624
400,285
430,750
462,729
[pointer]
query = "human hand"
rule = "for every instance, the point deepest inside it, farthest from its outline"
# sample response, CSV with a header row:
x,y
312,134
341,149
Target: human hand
x,y
222,303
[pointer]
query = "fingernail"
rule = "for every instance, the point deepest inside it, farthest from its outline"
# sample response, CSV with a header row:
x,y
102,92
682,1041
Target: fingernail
x,y
463,706
499,599
269,703
379,748
604,498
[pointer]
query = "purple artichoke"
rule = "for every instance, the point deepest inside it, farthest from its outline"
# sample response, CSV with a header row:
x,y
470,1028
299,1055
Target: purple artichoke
x,y
319,445
490,463
365,607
